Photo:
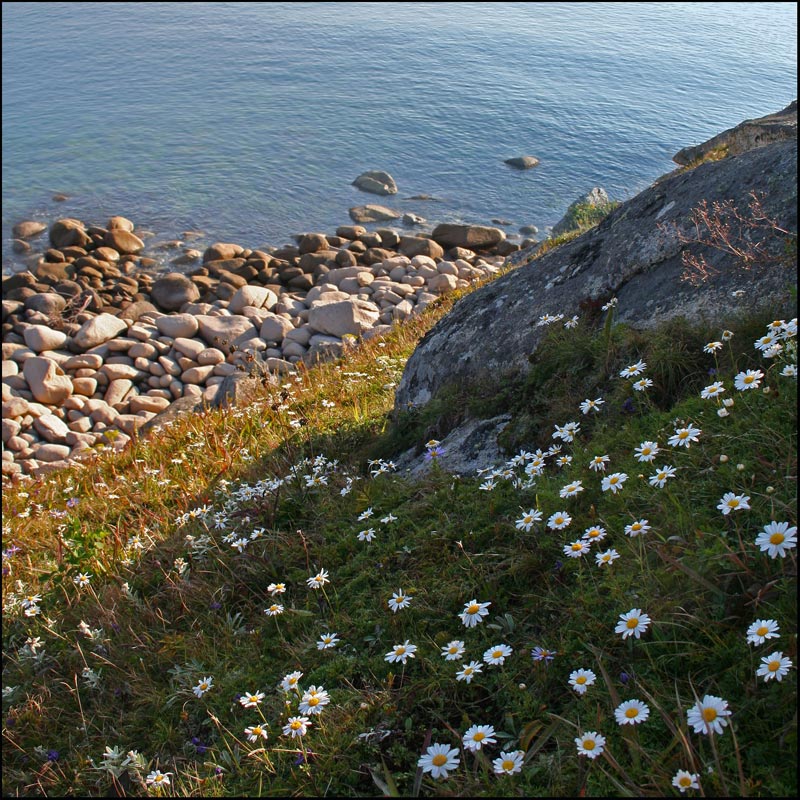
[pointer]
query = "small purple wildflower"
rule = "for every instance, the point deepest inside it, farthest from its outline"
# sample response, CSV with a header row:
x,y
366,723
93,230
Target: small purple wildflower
x,y
628,406
624,678
53,755
218,771
543,654
215,605
72,502
434,453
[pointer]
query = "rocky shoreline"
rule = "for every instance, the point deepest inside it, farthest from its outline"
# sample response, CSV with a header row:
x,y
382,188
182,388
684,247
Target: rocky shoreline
x,y
98,344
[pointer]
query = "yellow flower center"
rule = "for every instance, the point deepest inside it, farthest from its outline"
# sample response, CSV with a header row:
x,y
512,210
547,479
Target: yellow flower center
x,y
685,781
749,378
399,650
473,609
709,714
257,730
497,654
468,670
631,713
636,526
439,760
313,701
733,503
613,480
453,650
559,520
774,666
776,538
508,765
633,622
577,546
479,737
400,599
581,680
588,744
763,630
296,725
646,451
683,434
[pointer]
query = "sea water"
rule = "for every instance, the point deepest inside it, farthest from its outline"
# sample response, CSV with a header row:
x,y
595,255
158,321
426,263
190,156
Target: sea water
x,y
249,121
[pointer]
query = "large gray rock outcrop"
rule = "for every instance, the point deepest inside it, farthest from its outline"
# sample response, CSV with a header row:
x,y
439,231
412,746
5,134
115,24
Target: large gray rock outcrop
x,y
493,330
778,127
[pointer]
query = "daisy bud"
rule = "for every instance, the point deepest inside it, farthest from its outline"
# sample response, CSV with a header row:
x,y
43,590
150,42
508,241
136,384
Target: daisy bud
x,y
723,459
770,489
722,412
740,467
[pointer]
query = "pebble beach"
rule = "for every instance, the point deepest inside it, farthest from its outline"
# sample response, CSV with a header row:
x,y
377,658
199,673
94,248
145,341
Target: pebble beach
x,y
102,343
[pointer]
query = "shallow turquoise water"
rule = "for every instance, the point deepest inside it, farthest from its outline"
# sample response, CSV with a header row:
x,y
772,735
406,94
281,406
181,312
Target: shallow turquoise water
x,y
248,121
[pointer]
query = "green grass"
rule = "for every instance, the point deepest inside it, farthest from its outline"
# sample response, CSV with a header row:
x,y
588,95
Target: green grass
x,y
163,611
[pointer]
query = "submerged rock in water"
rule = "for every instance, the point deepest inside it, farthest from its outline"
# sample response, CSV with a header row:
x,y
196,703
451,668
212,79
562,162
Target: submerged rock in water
x,y
372,213
522,162
376,182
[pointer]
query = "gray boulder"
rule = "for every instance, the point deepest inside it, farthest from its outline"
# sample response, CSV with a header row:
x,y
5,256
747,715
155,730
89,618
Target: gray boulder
x,y
633,254
746,135
376,182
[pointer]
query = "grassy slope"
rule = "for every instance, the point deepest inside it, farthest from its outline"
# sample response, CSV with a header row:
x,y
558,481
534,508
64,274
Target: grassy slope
x,y
156,626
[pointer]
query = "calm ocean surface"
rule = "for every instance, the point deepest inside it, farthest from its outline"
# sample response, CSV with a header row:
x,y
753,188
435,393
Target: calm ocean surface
x,y
249,121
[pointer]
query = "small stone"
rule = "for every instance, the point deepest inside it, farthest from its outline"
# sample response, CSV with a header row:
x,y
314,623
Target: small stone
x,y
50,452
372,213
46,380
41,338
50,427
117,391
123,241
522,162
98,330
28,229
